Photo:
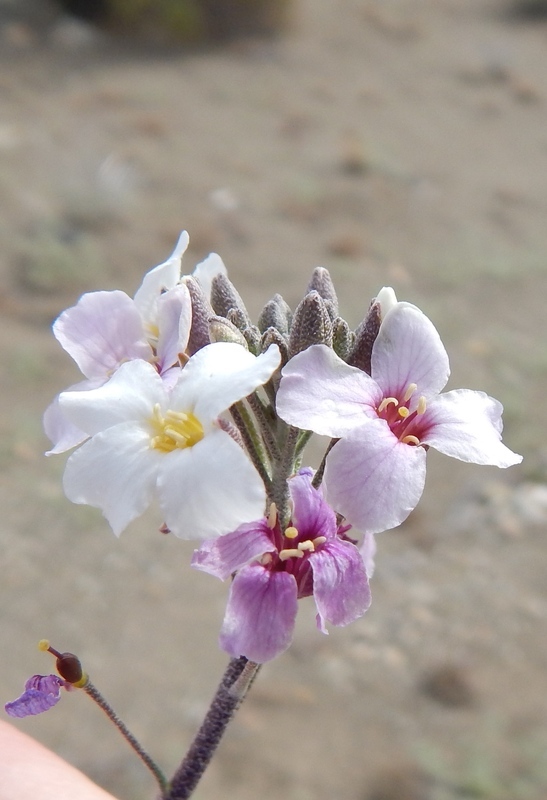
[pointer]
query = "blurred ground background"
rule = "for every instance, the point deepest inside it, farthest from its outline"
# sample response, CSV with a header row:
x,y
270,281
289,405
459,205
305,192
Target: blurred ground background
x,y
393,142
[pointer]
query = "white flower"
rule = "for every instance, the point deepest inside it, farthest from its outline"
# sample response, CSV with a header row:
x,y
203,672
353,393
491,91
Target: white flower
x,y
147,440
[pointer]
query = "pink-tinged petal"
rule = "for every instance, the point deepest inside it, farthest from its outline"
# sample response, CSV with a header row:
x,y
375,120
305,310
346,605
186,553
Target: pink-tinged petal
x,y
387,299
368,551
101,331
226,554
340,583
374,480
41,693
260,614
163,277
408,349
311,514
219,375
170,378
210,488
174,322
320,392
467,425
130,394
115,471
206,270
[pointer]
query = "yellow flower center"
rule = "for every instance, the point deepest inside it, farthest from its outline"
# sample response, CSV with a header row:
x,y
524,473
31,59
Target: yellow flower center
x,y
174,429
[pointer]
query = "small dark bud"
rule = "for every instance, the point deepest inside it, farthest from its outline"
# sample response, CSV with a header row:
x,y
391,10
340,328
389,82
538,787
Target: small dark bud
x,y
342,338
239,319
365,336
311,324
321,282
201,314
272,336
253,339
222,330
276,314
225,297
69,667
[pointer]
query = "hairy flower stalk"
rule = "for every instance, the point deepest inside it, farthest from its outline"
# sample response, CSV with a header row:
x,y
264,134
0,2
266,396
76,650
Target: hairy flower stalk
x,y
186,403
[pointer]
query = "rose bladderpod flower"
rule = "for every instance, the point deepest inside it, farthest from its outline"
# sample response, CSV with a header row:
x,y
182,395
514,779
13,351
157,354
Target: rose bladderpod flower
x,y
147,439
375,474
274,567
106,329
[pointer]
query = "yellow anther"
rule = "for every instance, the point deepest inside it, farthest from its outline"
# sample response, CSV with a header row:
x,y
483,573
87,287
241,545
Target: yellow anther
x,y
177,429
43,645
403,412
291,532
411,388
422,405
319,540
410,440
386,402
308,545
272,516
284,555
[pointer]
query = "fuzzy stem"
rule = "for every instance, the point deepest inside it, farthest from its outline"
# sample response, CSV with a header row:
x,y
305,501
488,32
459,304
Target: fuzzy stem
x,y
261,414
97,697
318,477
235,684
251,439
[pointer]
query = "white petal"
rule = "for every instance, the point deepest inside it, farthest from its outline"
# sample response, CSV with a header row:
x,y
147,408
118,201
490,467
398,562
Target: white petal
x,y
209,489
174,322
320,392
206,270
130,394
219,375
116,472
387,299
408,349
467,425
164,276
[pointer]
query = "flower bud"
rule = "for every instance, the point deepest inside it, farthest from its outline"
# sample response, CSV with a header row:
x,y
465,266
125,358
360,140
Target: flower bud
x,y
273,336
321,282
365,336
276,314
222,330
342,338
201,313
311,324
225,297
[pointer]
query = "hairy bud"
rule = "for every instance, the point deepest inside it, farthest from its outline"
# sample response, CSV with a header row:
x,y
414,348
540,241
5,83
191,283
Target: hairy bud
x,y
276,314
311,324
225,298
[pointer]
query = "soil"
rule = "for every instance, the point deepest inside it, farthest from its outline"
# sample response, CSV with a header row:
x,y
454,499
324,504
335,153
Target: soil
x,y
399,143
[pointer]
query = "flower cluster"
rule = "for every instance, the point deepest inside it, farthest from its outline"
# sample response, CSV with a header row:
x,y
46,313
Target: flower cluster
x,y
184,400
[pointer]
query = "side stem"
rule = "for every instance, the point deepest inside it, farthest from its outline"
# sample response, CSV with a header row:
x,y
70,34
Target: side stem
x,y
235,683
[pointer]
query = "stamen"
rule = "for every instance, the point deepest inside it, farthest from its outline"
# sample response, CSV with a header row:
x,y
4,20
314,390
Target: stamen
x,y
284,555
319,540
272,516
266,559
413,440
291,532
422,405
410,391
386,402
403,412
307,545
177,429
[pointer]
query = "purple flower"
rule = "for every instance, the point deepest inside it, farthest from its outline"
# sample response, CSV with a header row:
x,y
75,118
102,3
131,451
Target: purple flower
x,y
275,567
386,421
41,693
